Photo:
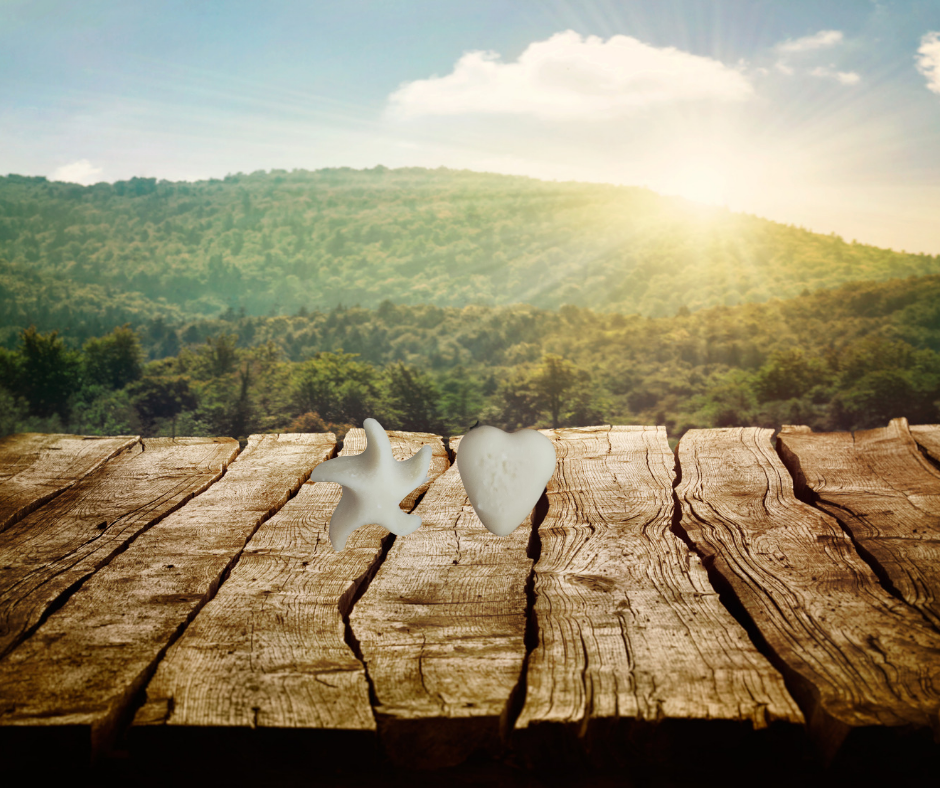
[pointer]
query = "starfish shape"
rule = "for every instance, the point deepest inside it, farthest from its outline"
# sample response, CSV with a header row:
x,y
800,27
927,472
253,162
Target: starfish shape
x,y
374,483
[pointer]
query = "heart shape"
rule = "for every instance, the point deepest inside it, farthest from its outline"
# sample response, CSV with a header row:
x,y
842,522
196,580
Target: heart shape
x,y
504,474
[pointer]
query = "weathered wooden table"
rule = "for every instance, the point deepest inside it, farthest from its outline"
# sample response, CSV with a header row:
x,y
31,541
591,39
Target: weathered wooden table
x,y
734,600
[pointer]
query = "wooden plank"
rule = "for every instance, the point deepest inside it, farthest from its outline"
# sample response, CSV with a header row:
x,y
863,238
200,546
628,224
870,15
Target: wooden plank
x,y
84,665
441,630
269,650
631,633
886,493
47,554
928,438
35,468
855,657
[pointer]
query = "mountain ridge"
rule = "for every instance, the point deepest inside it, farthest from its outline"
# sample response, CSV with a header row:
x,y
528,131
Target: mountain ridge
x,y
278,242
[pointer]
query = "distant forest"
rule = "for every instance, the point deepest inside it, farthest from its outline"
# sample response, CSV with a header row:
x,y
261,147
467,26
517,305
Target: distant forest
x,y
852,357
83,260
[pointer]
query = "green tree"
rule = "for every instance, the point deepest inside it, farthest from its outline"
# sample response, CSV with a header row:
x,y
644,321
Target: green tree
x,y
587,406
412,400
222,354
789,374
242,411
461,400
729,400
161,398
516,403
337,387
114,360
49,373
10,368
871,354
102,411
882,395
12,412
554,384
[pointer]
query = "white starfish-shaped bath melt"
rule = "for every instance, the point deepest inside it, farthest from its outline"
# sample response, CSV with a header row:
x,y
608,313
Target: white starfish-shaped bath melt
x,y
374,483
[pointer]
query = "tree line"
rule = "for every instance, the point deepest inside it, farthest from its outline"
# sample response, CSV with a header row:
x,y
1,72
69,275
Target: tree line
x,y
847,358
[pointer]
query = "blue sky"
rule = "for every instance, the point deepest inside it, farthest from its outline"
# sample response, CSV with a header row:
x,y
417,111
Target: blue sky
x,y
824,114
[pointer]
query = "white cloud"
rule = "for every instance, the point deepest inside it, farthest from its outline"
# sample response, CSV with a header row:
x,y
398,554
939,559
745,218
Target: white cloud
x,y
843,77
820,40
81,171
570,77
783,68
928,60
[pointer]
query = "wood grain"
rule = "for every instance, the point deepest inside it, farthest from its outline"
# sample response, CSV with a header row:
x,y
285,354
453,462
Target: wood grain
x,y
630,630
51,551
928,438
886,493
854,656
83,666
269,650
441,630
34,468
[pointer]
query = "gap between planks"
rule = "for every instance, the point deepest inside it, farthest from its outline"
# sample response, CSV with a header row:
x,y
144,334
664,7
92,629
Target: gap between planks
x,y
50,553
441,630
860,661
886,496
269,651
635,654
35,468
124,617
532,625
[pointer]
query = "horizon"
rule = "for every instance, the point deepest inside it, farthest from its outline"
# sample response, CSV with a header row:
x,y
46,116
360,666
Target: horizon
x,y
820,115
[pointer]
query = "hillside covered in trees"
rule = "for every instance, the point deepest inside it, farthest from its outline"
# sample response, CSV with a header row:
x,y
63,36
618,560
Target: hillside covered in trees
x,y
84,259
852,357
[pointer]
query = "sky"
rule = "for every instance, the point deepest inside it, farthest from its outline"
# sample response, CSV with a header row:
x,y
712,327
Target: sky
x,y
822,114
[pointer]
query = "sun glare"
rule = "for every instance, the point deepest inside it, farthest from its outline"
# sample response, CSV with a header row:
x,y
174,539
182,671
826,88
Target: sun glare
x,y
701,181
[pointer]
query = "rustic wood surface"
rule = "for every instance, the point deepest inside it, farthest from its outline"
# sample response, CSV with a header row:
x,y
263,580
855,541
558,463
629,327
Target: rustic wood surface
x,y
629,626
121,594
85,664
886,493
928,438
269,650
34,468
853,655
48,553
441,630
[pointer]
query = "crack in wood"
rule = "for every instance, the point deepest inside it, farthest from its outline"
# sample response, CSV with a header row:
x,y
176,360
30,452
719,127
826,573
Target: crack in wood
x,y
765,545
634,639
10,639
346,611
114,672
294,593
36,469
636,694
531,635
884,495
442,632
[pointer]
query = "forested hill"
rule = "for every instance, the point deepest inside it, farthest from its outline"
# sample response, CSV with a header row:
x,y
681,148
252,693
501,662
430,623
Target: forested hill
x,y
82,259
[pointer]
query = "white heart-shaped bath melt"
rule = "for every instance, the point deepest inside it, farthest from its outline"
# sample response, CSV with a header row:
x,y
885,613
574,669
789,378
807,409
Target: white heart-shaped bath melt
x,y
504,474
